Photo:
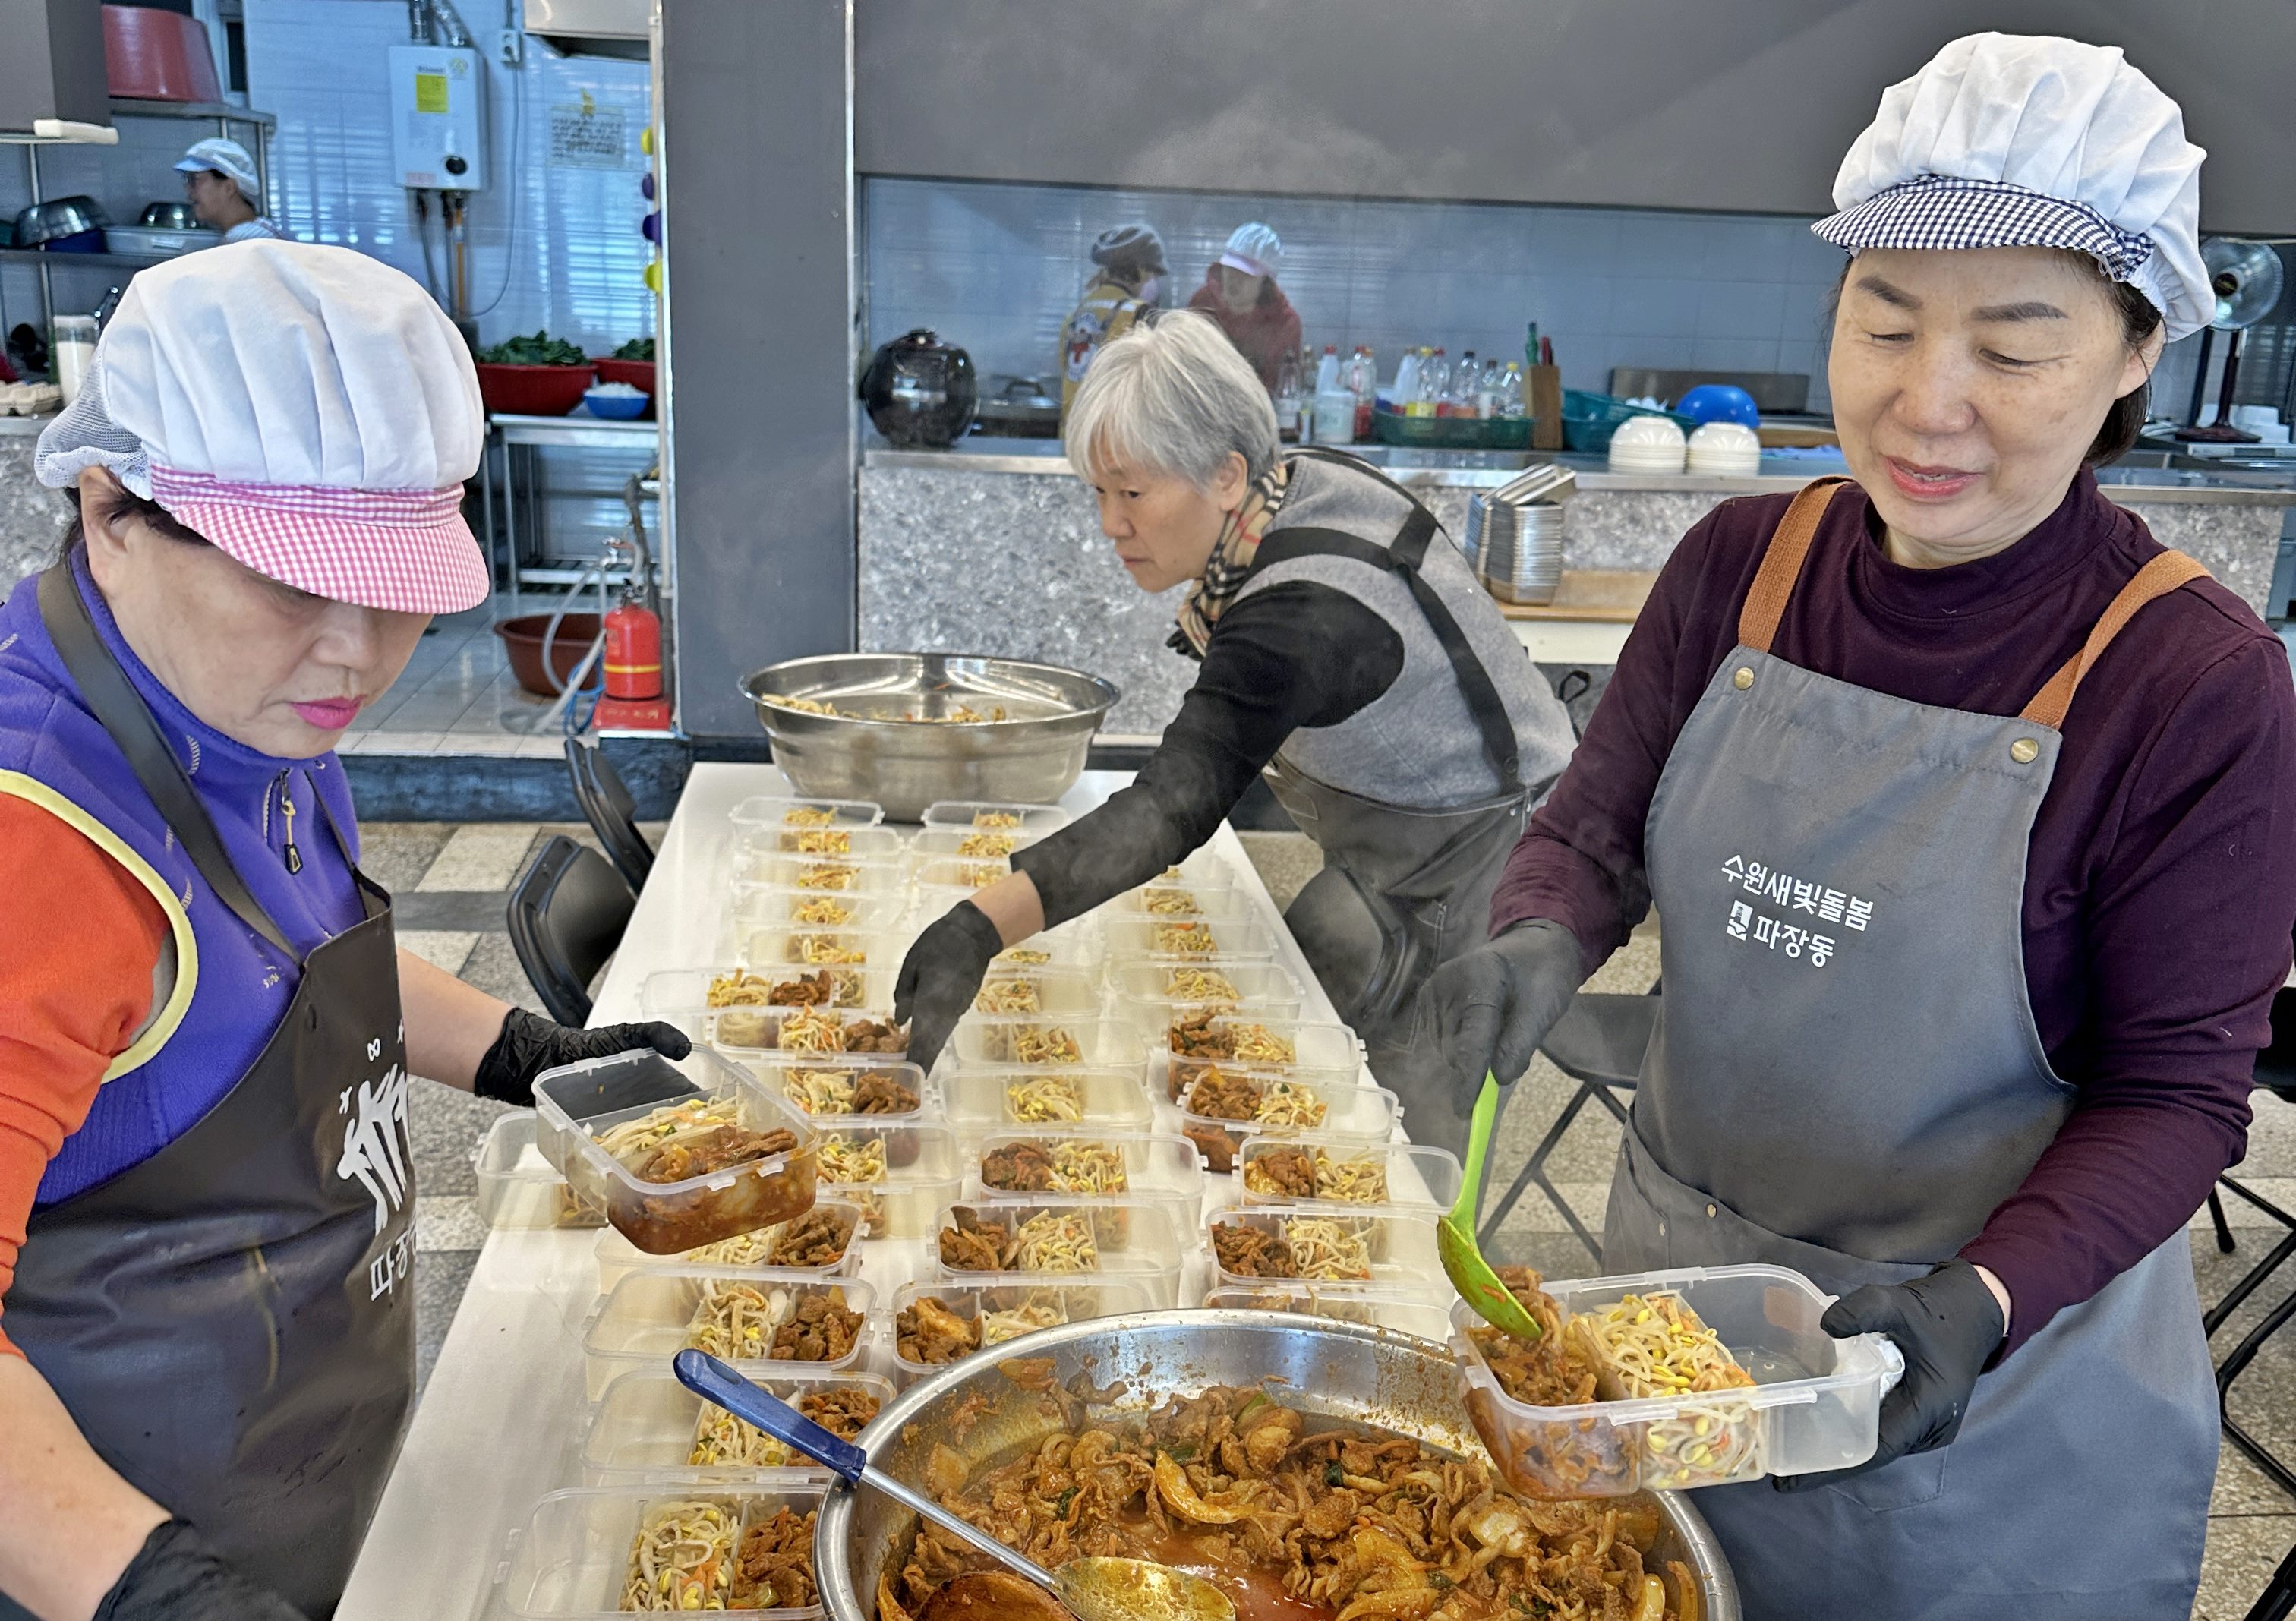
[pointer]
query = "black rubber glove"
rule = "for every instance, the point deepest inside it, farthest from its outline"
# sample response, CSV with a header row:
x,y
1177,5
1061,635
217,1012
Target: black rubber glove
x,y
1492,1007
1947,1324
529,1045
175,1576
940,977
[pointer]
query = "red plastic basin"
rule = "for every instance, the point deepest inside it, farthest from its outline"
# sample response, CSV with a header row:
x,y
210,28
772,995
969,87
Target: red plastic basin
x,y
532,390
637,373
158,56
522,642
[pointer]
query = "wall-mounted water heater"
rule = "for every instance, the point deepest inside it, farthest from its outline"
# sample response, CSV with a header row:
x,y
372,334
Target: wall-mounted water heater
x,y
438,116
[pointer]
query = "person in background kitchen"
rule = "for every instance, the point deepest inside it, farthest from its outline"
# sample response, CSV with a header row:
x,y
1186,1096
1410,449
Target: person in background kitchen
x,y
1971,814
1346,647
206,1031
219,178
1240,292
1127,281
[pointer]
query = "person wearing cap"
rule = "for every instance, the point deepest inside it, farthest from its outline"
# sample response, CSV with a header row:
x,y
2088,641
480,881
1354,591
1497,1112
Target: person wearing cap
x,y
225,194
1127,280
206,1029
1970,812
1240,292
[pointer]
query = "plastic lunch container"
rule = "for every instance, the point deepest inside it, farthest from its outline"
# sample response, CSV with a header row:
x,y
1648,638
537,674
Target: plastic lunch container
x,y
1054,1300
676,990
517,1186
618,1256
817,1083
845,841
1398,1244
1349,1111
1138,1239
783,948
902,1206
981,1097
1322,1051
1165,1167
743,1034
571,1561
750,907
972,843
1011,989
1815,1402
1414,1177
577,1104
1076,944
1133,937
1177,903
821,874
645,1318
792,810
1037,819
647,1426
1149,995
1338,1302
1101,1043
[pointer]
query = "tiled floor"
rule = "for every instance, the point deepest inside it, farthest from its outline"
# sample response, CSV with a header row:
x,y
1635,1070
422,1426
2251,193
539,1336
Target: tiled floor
x,y
449,881
457,695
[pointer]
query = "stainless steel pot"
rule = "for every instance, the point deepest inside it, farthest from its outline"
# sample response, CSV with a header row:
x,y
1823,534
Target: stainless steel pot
x,y
1031,758
1341,1370
57,218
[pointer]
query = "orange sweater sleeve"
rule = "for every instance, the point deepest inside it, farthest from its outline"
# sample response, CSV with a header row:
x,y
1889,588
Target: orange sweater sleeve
x,y
79,940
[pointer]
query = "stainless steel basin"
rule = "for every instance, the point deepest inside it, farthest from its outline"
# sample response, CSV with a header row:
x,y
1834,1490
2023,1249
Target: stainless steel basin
x,y
1398,1382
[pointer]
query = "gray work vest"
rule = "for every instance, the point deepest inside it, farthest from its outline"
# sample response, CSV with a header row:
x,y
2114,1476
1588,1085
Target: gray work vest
x,y
1845,1079
1415,798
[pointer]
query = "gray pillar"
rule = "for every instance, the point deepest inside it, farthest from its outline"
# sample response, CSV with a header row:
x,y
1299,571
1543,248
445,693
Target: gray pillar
x,y
757,175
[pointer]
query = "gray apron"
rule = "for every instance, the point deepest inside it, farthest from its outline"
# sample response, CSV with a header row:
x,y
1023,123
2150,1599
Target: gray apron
x,y
1403,890
1845,1079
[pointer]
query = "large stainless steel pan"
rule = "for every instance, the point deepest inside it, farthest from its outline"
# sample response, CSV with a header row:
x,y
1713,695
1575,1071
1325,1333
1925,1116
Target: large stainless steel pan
x,y
1032,756
1342,1370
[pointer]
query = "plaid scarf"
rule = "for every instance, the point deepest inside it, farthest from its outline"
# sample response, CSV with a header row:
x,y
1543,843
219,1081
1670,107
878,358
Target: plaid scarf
x,y
1230,563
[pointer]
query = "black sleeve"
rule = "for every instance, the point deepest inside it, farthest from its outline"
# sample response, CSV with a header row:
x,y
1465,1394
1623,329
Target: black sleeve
x,y
1294,654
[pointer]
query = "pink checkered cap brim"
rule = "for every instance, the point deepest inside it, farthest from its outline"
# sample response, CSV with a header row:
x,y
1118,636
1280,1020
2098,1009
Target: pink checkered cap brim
x,y
406,551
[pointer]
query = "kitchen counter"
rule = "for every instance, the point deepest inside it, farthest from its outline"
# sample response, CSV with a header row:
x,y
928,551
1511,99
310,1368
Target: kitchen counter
x,y
995,547
32,518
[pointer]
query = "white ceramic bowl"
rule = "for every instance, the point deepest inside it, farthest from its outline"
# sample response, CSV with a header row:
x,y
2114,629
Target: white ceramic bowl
x,y
1647,444
1726,447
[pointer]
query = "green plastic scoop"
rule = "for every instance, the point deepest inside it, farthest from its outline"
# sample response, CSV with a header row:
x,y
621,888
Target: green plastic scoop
x,y
1454,1235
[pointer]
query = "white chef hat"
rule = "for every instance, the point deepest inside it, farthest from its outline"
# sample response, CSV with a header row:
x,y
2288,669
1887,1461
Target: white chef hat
x,y
309,410
1255,249
228,158
2004,140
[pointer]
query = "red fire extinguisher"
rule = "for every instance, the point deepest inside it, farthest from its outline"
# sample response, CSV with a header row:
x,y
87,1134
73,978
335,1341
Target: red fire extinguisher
x,y
633,700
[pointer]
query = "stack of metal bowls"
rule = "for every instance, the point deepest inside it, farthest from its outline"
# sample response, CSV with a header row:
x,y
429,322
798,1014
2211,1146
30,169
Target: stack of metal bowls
x,y
1344,1370
866,749
1514,535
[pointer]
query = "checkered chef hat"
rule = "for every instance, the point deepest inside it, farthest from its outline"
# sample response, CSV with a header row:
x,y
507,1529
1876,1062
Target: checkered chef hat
x,y
309,410
2004,140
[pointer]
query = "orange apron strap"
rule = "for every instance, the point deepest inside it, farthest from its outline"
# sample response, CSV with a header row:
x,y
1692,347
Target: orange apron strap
x,y
2157,578
1766,601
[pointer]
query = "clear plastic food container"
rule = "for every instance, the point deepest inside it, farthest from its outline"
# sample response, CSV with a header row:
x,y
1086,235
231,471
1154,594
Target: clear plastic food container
x,y
971,843
1075,944
1050,1041
744,1035
1010,989
1134,937
990,815
1179,903
822,874
1338,1302
1150,995
1288,1106
588,1113
517,1186
751,1251
1152,1166
957,876
715,990
998,1315
648,1425
983,1098
900,1207
1115,1237
650,1317
871,1150
1322,1051
776,811
843,841
785,948
828,1084
754,907
1387,1249
572,1560
1346,1172
1815,1404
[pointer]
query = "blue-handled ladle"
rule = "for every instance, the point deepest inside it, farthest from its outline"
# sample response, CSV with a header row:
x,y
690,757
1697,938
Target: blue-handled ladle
x,y
1094,1588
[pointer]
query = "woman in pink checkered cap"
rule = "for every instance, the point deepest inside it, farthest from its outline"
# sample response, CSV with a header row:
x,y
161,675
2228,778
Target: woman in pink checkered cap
x,y
206,1029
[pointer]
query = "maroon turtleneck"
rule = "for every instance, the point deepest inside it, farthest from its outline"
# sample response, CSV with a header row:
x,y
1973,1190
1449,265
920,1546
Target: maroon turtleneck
x,y
2160,882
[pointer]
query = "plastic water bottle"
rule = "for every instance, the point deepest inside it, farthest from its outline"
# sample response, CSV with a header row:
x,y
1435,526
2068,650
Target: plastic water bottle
x,y
1406,380
1363,383
1287,396
1511,405
1327,370
1489,389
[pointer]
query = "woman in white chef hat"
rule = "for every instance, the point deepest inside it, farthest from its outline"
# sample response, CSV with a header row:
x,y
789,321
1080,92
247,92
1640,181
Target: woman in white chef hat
x,y
1968,808
206,1192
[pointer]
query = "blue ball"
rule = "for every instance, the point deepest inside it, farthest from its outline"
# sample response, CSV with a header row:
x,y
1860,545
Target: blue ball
x,y
1720,402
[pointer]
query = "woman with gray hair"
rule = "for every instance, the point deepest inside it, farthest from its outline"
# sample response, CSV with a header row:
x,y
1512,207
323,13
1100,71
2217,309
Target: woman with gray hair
x,y
1347,650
